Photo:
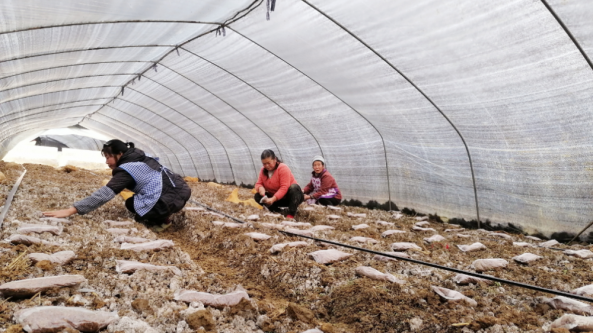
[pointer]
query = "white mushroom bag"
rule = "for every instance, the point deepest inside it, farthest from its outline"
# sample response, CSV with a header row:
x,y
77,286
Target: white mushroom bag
x,y
463,279
574,323
527,258
473,247
58,258
481,265
365,240
258,235
395,254
584,291
129,267
583,254
217,301
329,256
374,274
57,318
453,296
569,304
279,247
405,246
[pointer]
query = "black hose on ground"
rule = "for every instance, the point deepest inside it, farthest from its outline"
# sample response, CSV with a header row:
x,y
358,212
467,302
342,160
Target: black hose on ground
x,y
455,270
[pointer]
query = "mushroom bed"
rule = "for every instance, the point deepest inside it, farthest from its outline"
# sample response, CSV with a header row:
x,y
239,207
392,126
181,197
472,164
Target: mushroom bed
x,y
224,277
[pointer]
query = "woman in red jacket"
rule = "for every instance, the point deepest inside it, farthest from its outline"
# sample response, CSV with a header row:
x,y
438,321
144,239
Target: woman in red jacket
x,y
322,189
276,186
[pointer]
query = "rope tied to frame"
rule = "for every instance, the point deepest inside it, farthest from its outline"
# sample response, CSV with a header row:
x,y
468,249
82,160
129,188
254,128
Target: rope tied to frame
x,y
221,31
270,5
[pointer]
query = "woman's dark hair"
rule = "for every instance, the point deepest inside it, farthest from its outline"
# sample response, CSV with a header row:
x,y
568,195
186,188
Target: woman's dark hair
x,y
116,147
269,153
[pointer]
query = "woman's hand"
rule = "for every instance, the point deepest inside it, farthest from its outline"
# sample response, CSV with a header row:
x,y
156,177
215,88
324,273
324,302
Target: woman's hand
x,y
270,201
307,197
61,213
262,191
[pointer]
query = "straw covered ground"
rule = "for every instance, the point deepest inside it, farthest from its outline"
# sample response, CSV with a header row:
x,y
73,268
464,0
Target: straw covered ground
x,y
288,291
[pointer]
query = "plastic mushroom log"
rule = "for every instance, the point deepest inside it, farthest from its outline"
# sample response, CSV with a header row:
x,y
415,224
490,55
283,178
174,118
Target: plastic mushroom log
x,y
214,300
392,232
527,258
39,229
29,287
574,323
329,256
156,245
463,279
584,291
473,247
395,254
58,318
569,304
453,296
364,240
257,236
279,247
374,274
482,265
59,258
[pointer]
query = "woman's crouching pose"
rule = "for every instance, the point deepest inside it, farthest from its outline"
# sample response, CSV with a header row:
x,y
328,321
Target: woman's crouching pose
x,y
322,189
158,192
276,186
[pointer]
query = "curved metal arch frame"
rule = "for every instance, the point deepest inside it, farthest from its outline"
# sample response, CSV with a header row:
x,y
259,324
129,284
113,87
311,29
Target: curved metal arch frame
x,y
232,107
255,168
258,91
191,120
158,130
160,148
338,98
158,115
201,108
2,137
85,50
125,22
118,124
236,17
417,89
81,100
76,65
67,79
42,112
567,31
57,26
248,10
58,91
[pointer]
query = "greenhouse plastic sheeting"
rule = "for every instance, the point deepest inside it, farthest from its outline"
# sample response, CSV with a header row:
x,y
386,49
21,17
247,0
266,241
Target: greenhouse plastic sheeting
x,y
430,104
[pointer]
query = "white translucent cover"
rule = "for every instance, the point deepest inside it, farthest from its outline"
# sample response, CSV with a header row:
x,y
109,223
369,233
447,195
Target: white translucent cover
x,y
395,95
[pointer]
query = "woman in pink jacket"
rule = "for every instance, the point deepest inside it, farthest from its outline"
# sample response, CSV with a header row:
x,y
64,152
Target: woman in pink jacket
x,y
276,186
322,189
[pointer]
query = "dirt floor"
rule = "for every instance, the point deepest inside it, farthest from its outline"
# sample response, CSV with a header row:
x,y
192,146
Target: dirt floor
x,y
289,291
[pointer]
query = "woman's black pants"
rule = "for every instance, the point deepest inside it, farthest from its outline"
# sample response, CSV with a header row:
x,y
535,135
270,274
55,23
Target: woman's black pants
x,y
292,199
156,216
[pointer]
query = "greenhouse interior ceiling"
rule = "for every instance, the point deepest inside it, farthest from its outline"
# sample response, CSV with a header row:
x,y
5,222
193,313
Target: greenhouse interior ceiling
x,y
468,109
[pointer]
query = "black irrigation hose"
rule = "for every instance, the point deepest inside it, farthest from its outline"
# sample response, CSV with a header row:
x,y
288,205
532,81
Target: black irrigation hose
x,y
10,196
459,271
